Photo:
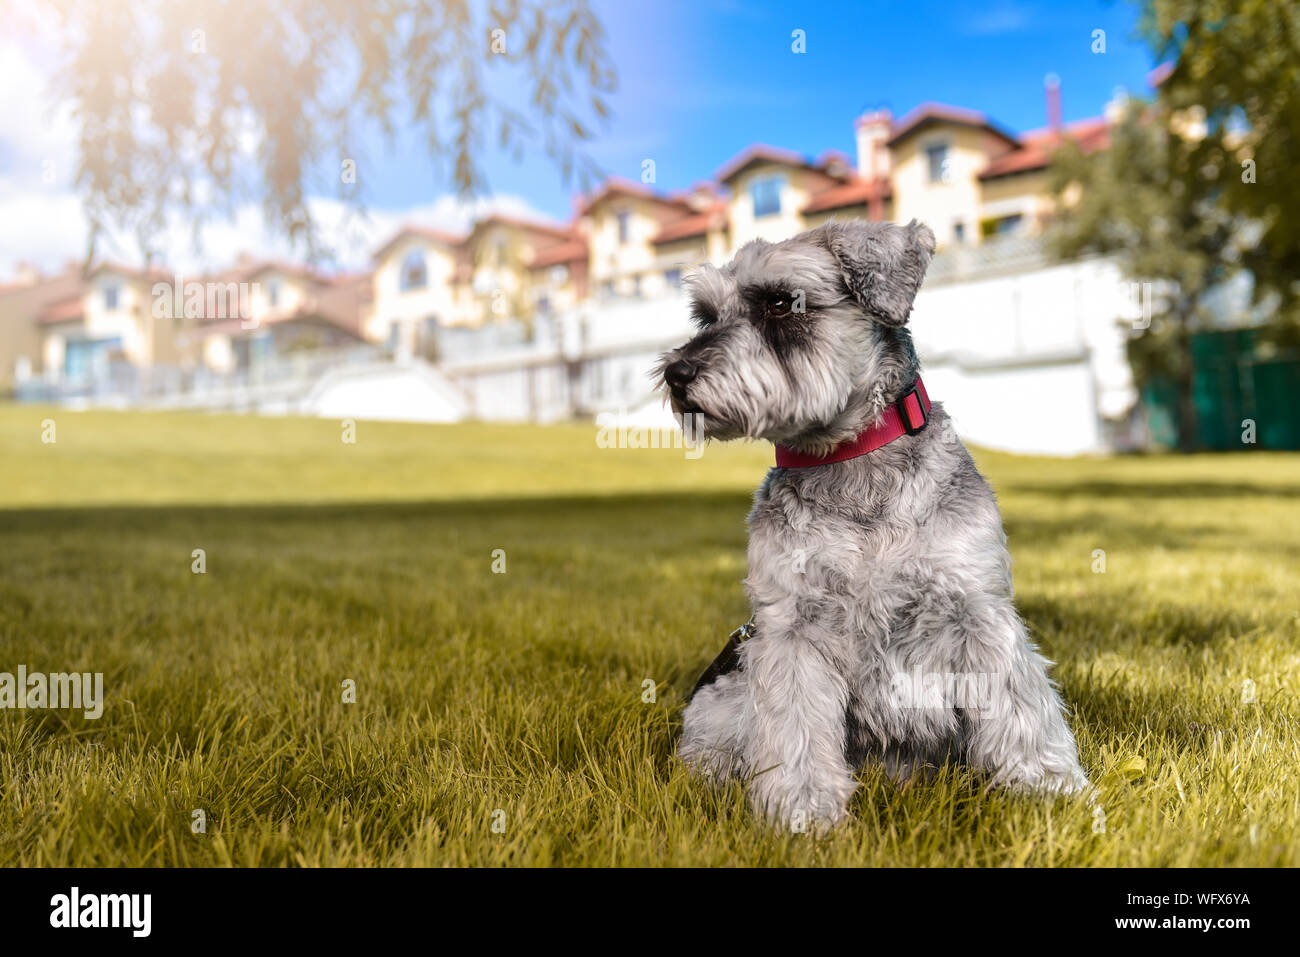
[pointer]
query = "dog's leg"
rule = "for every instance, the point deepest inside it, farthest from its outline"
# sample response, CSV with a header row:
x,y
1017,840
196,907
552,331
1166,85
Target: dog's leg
x,y
794,731
711,727
1018,731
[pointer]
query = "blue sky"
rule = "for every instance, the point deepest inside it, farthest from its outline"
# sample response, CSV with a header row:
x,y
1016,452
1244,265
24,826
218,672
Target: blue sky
x,y
698,81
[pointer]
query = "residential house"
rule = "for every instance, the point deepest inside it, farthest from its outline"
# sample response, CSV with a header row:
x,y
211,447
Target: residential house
x,y
496,276
414,288
969,179
622,221
776,193
79,323
558,275
267,310
21,347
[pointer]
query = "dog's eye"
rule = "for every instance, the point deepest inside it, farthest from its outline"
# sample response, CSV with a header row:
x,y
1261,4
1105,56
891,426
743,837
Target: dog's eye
x,y
778,305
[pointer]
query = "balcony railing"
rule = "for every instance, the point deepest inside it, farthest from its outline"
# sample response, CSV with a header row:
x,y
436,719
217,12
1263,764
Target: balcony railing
x,y
997,254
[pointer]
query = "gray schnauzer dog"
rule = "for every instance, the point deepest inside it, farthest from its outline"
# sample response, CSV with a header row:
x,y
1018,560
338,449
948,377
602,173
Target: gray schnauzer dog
x,y
883,624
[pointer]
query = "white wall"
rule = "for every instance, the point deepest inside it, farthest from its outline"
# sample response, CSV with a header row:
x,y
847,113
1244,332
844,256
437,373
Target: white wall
x,y
412,392
1037,409
1042,341
1030,361
133,309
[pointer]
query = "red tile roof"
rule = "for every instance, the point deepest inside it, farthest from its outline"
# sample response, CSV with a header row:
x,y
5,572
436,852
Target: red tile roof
x,y
559,254
554,230
130,271
856,192
617,186
929,113
62,310
337,302
435,235
697,224
1037,147
761,153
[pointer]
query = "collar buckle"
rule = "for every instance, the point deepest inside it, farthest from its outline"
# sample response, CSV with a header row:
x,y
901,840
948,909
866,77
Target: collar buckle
x,y
905,416
744,632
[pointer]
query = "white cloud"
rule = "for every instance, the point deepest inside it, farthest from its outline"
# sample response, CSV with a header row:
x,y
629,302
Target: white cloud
x,y
1002,17
51,230
37,140
45,225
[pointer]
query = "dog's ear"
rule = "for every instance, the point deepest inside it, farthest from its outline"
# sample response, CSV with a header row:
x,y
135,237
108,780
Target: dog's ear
x,y
883,264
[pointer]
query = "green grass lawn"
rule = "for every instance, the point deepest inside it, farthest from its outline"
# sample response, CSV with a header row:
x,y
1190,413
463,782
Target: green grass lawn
x,y
517,699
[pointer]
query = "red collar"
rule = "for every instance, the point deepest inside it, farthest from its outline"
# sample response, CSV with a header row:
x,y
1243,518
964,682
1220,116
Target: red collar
x,y
907,416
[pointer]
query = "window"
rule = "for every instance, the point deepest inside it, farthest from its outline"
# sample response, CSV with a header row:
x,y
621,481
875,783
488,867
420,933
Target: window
x,y
624,217
543,304
636,285
959,231
1009,224
110,296
999,225
273,293
936,157
674,278
607,289
766,194
427,344
414,274
84,359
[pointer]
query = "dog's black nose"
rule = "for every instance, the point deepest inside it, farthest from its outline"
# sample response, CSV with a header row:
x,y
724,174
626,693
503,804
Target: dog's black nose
x,y
679,374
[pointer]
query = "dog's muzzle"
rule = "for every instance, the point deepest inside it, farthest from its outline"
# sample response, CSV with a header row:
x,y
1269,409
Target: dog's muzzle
x,y
679,374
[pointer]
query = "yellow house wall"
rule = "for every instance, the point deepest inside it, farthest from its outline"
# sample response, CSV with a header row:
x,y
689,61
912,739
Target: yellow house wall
x,y
620,262
130,320
795,193
940,205
499,284
390,304
292,294
1024,193
556,283
841,215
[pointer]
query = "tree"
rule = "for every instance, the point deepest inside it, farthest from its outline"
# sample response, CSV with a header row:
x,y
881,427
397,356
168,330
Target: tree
x,y
1238,63
1146,201
185,109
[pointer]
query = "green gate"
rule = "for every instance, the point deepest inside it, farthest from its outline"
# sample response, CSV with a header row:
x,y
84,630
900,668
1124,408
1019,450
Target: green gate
x,y
1235,377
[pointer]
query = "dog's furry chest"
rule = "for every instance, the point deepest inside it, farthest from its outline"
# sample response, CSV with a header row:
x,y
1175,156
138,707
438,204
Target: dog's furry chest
x,y
822,561
853,550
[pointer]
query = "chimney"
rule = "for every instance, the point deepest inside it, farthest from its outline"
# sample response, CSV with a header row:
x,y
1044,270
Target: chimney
x,y
1052,84
700,197
27,274
1116,106
873,132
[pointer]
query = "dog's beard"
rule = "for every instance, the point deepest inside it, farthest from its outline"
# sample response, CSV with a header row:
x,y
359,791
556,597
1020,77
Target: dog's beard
x,y
707,423
729,410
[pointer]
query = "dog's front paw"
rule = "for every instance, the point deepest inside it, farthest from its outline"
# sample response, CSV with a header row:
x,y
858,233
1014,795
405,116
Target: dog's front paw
x,y
1073,783
1066,782
714,764
800,810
